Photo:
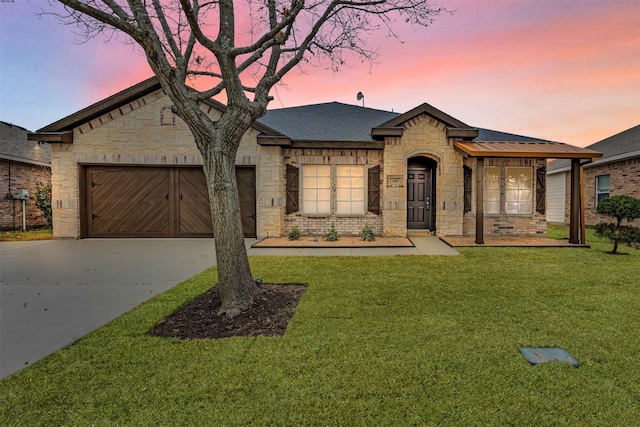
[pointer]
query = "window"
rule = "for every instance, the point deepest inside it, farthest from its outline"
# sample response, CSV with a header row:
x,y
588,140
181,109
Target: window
x,y
518,195
492,190
514,197
603,186
316,189
350,190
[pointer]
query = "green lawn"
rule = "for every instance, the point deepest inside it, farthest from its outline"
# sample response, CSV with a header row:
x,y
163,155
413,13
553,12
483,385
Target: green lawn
x,y
22,236
375,341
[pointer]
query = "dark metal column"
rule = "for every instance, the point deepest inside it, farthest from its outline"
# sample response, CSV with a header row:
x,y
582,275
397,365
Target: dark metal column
x,y
480,201
576,204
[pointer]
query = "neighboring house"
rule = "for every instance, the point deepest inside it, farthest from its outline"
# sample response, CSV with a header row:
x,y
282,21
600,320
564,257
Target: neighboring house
x,y
127,167
617,172
23,164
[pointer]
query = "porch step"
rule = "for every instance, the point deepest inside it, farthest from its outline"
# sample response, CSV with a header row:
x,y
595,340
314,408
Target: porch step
x,y
419,233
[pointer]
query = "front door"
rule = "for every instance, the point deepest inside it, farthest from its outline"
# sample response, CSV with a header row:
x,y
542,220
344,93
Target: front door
x,y
419,198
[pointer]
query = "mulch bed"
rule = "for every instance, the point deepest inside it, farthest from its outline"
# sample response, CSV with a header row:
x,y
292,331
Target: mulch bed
x,y
268,316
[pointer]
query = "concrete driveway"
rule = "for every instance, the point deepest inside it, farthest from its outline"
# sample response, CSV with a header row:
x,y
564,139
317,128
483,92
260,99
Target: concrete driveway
x,y
56,291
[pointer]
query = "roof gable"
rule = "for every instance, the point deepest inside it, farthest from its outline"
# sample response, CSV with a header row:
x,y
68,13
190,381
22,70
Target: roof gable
x,y
429,110
118,100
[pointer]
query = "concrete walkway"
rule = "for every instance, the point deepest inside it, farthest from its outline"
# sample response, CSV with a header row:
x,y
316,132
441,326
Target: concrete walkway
x,y
56,291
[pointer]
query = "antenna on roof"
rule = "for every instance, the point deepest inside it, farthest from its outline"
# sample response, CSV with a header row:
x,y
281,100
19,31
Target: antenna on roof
x,y
360,96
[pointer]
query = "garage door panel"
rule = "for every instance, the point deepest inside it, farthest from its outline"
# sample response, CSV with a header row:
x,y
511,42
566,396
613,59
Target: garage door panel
x,y
125,202
157,202
195,211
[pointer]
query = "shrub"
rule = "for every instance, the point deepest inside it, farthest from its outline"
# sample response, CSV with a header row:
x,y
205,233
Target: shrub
x,y
367,233
294,234
331,234
43,201
621,208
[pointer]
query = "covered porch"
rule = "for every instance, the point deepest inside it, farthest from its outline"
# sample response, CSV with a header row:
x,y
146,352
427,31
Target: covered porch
x,y
481,150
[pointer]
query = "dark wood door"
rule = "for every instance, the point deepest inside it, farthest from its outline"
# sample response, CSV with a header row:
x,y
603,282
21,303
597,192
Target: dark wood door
x,y
194,208
246,177
128,202
157,202
419,198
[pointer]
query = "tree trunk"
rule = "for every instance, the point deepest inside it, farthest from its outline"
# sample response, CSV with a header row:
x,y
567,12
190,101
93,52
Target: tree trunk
x,y
218,147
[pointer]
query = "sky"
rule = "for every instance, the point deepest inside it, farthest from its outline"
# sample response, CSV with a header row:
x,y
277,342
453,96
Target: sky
x,y
562,70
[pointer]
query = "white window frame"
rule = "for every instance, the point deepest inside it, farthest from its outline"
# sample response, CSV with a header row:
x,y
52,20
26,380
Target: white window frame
x,y
504,196
600,193
316,189
351,190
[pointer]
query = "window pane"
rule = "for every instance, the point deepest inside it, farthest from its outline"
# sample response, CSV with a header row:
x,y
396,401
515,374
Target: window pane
x,y
492,208
324,182
324,170
343,194
357,207
357,182
324,207
603,183
343,207
343,182
344,171
324,194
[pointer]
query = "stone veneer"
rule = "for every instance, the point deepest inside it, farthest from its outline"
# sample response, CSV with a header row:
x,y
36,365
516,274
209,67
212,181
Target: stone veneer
x,y
146,133
423,137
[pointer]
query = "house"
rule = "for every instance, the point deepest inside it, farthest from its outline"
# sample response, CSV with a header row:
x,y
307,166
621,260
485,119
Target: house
x,y
617,172
128,167
23,165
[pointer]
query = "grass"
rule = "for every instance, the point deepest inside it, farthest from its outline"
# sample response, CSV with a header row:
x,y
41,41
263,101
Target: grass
x,y
375,341
23,236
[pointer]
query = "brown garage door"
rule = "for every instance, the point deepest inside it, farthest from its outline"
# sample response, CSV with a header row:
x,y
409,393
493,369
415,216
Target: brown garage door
x,y
156,202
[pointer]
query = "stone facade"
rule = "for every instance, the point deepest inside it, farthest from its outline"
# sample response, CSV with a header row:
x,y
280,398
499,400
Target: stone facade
x,y
141,133
145,132
423,137
624,179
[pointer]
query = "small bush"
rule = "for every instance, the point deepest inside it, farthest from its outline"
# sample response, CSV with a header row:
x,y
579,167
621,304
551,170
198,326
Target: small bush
x,y
621,208
367,233
43,201
294,234
331,234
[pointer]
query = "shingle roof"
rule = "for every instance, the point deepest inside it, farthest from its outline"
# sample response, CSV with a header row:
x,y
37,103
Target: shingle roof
x,y
332,121
487,135
15,146
616,147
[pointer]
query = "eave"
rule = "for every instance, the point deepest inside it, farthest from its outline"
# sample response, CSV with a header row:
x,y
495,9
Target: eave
x,y
65,137
540,150
319,144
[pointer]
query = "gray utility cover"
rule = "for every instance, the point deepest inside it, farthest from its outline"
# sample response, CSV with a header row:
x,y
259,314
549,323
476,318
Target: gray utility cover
x,y
544,355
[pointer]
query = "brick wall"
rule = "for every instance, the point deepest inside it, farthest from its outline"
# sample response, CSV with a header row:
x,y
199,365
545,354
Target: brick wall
x,y
507,225
15,176
625,179
318,225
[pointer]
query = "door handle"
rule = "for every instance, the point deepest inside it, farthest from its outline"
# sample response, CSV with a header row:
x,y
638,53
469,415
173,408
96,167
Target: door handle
x,y
427,204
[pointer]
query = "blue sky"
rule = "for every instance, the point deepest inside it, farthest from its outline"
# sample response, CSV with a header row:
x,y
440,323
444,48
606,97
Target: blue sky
x,y
561,70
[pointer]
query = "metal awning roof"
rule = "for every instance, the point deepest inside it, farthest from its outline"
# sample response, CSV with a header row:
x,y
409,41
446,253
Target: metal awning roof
x,y
529,149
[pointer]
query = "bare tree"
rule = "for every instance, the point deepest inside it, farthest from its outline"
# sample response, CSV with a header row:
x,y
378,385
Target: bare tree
x,y
185,39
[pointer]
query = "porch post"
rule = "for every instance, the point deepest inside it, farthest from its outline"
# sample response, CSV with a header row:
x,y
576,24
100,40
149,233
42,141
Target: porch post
x,y
480,201
575,214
